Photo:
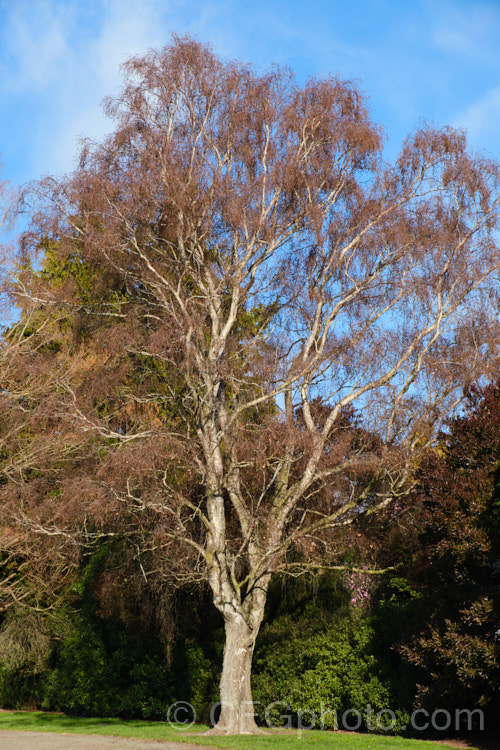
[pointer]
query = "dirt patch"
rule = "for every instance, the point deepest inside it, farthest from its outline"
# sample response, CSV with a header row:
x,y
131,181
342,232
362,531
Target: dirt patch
x,y
10,740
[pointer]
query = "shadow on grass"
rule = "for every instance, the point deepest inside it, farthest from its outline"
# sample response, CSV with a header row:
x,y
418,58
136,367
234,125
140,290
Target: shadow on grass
x,y
57,722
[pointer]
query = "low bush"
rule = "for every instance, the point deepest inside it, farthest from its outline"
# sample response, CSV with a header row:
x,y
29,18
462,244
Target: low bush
x,y
320,664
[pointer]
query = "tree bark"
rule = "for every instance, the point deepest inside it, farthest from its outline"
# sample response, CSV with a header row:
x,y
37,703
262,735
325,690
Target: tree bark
x,y
237,714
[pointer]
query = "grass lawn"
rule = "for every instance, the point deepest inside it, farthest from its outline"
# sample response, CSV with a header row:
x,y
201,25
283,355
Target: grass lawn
x,y
155,730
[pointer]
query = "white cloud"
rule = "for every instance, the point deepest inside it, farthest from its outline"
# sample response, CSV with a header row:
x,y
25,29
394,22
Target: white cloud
x,y
92,71
481,119
62,58
33,43
467,29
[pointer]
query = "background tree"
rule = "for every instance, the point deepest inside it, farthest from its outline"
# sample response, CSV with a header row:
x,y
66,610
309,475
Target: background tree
x,y
456,565
10,348
257,273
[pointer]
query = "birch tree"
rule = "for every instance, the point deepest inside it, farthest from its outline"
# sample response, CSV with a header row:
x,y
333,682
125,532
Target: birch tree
x,y
269,279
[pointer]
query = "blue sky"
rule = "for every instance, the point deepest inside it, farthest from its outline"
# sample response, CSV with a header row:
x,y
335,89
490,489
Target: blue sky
x,y
432,59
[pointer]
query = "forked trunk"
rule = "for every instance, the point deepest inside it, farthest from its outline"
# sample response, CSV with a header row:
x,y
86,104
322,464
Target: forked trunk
x,y
237,714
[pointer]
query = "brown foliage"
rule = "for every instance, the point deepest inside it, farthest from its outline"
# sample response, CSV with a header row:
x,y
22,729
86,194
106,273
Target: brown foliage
x,y
459,507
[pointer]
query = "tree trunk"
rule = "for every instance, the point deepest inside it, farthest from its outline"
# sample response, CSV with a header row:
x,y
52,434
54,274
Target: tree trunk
x,y
237,715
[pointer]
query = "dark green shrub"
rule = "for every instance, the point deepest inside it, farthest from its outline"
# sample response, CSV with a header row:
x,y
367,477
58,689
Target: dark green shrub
x,y
100,670
320,657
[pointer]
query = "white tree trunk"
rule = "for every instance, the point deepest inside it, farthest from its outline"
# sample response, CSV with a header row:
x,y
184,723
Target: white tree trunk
x,y
237,714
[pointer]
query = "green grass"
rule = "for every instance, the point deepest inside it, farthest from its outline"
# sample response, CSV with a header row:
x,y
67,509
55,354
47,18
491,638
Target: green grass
x,y
155,730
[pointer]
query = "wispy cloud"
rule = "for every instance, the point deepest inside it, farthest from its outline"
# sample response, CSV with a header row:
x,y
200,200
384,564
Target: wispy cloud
x,y
481,118
467,29
33,38
63,58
